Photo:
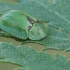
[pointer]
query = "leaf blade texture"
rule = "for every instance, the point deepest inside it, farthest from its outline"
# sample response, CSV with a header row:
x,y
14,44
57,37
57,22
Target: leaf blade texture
x,y
29,59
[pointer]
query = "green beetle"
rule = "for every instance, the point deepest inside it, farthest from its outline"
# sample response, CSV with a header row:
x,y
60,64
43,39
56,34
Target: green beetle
x,y
22,25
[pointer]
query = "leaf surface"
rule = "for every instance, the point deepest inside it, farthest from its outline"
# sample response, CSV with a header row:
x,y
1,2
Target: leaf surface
x,y
29,59
56,13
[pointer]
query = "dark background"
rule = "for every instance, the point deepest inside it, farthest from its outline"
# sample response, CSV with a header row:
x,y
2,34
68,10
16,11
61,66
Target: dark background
x,y
8,66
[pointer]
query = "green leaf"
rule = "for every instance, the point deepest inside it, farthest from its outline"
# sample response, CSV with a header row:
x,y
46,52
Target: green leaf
x,y
56,13
29,59
4,6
